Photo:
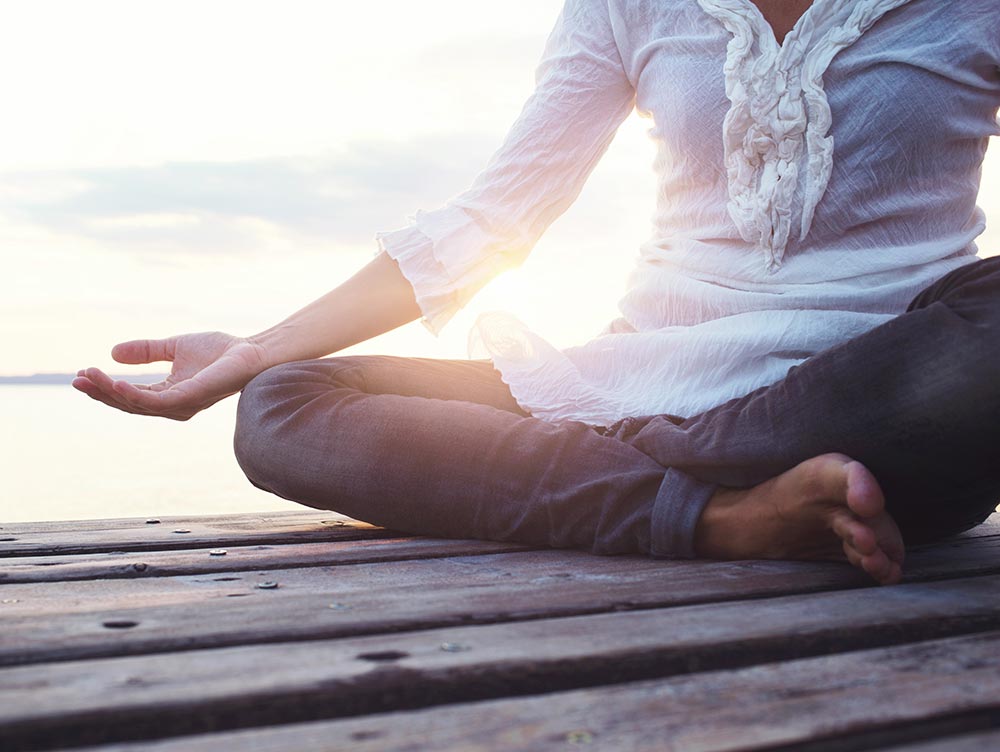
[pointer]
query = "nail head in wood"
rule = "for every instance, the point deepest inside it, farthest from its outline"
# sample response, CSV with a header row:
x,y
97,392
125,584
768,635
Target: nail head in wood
x,y
580,737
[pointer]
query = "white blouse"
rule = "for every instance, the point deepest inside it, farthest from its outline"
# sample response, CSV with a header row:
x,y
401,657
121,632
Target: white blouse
x,y
807,191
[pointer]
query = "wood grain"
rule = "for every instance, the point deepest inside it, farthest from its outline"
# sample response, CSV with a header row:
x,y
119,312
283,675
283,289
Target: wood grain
x,y
986,741
89,536
118,629
853,700
133,534
63,621
194,561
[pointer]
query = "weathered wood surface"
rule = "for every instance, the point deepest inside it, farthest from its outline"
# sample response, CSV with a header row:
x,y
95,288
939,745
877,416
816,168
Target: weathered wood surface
x,y
136,534
46,538
228,608
987,741
870,698
410,669
282,555
373,641
104,566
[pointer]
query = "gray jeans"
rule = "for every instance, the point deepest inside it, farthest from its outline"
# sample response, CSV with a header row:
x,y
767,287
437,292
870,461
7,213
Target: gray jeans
x,y
440,448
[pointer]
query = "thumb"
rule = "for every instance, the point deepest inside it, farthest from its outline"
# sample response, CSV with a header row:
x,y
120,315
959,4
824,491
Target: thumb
x,y
143,350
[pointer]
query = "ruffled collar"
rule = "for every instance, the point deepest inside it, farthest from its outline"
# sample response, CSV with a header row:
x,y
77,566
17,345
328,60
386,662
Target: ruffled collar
x,y
778,151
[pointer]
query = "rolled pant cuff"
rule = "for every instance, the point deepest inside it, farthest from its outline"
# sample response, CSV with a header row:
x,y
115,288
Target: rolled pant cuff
x,y
678,506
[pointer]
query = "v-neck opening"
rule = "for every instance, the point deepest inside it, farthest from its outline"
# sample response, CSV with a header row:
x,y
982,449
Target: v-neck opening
x,y
765,26
778,146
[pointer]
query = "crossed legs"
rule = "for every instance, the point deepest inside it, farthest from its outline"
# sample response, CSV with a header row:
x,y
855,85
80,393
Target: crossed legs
x,y
440,448
896,427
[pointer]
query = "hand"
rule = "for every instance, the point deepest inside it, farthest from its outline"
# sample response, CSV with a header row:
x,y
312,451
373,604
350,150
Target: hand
x,y
207,367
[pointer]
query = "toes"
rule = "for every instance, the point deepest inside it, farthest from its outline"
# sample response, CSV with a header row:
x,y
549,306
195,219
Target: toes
x,y
881,568
890,539
863,550
877,566
864,494
855,533
852,556
895,574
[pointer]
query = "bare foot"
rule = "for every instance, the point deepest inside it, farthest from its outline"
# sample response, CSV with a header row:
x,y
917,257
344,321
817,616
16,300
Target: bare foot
x,y
828,507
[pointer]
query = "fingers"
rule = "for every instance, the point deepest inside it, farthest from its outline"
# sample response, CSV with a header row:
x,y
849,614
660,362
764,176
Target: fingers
x,y
132,398
132,393
88,387
106,385
159,386
97,386
144,350
170,403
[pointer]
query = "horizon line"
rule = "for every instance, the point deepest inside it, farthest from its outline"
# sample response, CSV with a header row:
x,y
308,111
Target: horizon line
x,y
58,377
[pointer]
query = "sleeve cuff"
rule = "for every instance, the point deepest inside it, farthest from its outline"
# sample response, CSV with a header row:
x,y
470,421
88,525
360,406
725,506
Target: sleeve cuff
x,y
446,257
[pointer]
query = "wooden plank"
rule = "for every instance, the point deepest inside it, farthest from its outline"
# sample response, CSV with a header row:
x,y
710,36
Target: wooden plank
x,y
62,538
133,534
988,740
228,687
195,561
63,621
159,563
296,514
845,701
688,581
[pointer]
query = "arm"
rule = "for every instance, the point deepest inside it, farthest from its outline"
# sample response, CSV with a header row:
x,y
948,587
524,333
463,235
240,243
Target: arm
x,y
375,300
582,95
435,265
209,366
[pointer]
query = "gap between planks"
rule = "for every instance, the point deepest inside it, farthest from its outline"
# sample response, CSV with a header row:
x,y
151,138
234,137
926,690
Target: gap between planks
x,y
65,621
129,535
101,536
940,549
196,560
950,684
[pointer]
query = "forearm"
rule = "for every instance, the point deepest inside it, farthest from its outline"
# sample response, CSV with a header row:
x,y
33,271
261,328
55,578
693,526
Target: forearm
x,y
375,300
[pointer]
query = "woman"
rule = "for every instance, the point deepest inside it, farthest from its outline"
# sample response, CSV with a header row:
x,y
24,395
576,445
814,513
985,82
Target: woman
x,y
808,359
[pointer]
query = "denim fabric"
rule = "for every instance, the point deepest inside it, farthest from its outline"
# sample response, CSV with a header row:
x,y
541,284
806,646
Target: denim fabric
x,y
440,447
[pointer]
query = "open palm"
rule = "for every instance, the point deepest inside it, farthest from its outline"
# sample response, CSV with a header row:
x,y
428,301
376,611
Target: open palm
x,y
207,367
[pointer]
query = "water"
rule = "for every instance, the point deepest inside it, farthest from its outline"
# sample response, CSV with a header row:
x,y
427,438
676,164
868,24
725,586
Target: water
x,y
64,456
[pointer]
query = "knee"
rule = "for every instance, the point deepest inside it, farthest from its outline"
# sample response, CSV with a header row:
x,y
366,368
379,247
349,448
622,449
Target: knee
x,y
275,427
971,291
962,316
930,524
259,412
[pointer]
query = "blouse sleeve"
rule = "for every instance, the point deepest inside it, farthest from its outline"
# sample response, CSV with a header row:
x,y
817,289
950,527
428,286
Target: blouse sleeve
x,y
582,95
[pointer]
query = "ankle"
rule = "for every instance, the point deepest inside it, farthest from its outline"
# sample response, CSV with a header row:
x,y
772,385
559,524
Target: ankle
x,y
718,527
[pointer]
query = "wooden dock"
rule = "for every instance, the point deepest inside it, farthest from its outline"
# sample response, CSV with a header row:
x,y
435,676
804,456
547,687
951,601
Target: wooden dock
x,y
306,631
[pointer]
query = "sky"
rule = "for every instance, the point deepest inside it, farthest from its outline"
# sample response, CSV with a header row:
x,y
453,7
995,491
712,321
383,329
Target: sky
x,y
193,166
